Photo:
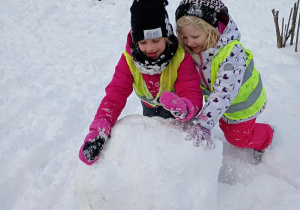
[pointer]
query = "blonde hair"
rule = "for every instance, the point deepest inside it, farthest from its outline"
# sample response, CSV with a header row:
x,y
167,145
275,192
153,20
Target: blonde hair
x,y
212,33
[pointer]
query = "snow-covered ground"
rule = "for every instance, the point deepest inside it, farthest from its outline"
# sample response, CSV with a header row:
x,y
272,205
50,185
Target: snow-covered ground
x,y
56,57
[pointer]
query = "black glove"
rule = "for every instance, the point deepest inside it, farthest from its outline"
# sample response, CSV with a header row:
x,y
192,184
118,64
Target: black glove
x,y
92,149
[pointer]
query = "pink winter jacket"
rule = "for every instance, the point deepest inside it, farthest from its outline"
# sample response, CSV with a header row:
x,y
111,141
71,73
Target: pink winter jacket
x,y
121,86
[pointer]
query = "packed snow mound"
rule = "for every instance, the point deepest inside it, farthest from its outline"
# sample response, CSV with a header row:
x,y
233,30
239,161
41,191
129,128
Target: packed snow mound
x,y
137,172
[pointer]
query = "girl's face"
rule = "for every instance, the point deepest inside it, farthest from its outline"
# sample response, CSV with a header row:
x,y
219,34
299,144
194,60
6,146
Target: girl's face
x,y
194,38
153,48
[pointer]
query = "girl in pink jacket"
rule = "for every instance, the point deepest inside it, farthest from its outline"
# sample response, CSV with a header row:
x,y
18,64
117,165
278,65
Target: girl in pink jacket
x,y
156,67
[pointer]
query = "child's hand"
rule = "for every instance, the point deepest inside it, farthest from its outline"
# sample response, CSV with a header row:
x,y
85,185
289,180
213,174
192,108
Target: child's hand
x,y
94,142
200,136
180,108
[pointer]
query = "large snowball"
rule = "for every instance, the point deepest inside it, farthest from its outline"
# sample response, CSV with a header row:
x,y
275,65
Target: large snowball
x,y
147,164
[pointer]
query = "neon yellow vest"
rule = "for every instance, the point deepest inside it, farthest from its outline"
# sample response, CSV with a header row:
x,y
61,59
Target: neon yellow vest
x,y
167,79
252,95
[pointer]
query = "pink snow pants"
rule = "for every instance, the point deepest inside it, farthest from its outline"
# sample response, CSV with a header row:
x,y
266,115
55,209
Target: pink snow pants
x,y
247,134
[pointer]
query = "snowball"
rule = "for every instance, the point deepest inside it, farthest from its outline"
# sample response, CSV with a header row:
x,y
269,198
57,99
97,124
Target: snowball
x,y
147,164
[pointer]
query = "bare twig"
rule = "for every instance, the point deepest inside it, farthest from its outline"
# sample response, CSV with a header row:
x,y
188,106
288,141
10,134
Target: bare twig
x,y
287,32
284,36
279,39
297,34
282,33
294,22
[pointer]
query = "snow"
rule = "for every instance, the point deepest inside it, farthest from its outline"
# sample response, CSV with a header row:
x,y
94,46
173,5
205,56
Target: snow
x,y
154,170
56,59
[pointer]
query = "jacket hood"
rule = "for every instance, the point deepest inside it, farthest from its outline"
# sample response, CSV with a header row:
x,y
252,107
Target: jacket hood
x,y
230,33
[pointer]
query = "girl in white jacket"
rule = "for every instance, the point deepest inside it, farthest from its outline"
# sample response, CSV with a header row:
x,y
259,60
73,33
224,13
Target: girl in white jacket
x,y
234,91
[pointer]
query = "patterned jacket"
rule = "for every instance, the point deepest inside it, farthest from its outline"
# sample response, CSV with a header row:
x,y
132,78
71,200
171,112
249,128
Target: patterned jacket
x,y
219,101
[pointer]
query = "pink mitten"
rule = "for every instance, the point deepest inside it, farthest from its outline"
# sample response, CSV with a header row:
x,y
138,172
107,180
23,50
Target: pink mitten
x,y
94,142
181,108
201,136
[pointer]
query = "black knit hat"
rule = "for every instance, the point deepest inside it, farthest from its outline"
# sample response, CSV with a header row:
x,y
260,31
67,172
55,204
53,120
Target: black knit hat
x,y
149,20
211,11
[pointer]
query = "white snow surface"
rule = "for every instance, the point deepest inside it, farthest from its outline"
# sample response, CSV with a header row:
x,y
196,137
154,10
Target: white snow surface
x,y
56,59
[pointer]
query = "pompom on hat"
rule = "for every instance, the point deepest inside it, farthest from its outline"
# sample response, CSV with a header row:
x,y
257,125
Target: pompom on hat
x,y
211,11
149,20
